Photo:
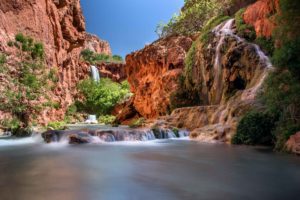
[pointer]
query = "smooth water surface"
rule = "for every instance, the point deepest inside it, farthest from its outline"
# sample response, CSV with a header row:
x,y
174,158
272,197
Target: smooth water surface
x,y
162,170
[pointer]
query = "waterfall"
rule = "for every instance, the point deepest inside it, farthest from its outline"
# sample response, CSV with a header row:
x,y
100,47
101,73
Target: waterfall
x,y
222,31
95,73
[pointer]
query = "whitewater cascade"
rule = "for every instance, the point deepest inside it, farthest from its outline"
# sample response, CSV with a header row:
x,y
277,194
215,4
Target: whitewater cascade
x,y
226,30
95,73
92,119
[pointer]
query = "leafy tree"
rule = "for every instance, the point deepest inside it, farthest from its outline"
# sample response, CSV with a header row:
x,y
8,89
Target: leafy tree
x,y
101,97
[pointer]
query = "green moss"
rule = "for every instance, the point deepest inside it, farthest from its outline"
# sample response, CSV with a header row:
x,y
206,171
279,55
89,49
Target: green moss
x,y
244,30
176,132
94,58
267,44
212,23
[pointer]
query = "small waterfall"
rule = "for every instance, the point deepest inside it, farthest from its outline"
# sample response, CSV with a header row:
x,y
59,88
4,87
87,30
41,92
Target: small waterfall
x,y
95,73
92,119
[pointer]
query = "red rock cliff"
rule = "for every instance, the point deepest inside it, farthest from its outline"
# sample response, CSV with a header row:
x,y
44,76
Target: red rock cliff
x,y
261,16
153,72
60,25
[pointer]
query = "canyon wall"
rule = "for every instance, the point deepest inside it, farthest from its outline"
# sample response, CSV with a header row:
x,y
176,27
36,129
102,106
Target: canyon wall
x,y
60,26
153,74
262,16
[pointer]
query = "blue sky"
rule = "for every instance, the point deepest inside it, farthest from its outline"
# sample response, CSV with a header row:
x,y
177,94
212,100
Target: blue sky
x,y
127,24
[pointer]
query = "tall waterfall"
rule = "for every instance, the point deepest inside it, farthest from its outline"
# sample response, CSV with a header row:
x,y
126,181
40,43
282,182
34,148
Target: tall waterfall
x,y
95,73
222,31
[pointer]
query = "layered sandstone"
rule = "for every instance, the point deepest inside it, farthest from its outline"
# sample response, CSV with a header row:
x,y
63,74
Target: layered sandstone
x,y
153,74
93,43
60,26
262,16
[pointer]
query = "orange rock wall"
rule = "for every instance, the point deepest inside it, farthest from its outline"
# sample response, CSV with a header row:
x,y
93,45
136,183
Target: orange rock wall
x,y
261,16
153,74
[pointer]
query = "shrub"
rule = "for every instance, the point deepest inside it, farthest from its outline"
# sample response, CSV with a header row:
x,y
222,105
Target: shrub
x,y
95,58
244,30
117,58
255,128
267,44
176,132
137,123
100,98
212,23
29,78
57,125
107,119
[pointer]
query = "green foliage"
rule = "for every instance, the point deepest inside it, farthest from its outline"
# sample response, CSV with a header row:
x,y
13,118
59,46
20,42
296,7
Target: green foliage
x,y
266,44
137,123
212,23
72,110
101,97
255,128
29,82
94,58
189,64
244,30
53,75
287,56
191,18
107,119
185,96
282,98
176,132
57,125
117,58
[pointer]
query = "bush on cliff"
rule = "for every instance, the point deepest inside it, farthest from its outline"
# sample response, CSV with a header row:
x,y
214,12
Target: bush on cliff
x,y
28,80
255,128
244,30
100,98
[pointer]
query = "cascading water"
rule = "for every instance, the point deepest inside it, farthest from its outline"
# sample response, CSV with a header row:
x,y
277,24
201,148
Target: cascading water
x,y
226,30
95,73
92,119
221,31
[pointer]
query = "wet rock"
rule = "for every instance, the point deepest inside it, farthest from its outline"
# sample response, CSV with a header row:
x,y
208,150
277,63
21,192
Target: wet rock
x,y
80,138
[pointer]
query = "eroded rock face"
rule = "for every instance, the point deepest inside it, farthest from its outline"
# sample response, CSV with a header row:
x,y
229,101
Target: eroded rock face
x,y
228,73
60,25
153,72
97,45
262,16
